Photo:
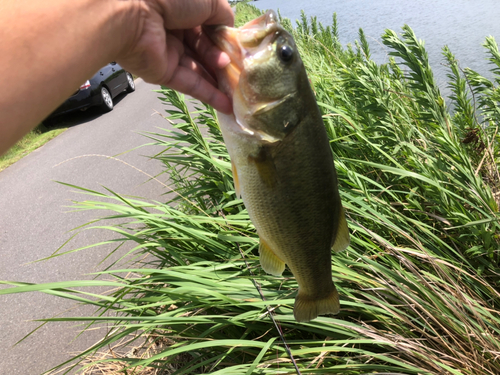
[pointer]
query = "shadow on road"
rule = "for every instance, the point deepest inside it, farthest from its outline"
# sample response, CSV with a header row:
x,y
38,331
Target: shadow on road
x,y
76,118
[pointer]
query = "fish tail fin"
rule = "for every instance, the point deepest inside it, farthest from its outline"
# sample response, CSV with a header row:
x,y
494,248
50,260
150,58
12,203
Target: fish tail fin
x,y
307,308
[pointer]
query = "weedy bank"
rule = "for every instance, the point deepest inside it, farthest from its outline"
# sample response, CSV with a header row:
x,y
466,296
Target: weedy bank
x,y
419,284
30,142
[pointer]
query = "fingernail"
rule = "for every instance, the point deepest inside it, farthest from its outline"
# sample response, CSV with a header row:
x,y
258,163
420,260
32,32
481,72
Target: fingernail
x,y
224,60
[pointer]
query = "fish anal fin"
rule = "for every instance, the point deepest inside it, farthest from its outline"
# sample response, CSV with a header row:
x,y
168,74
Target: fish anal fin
x,y
236,180
307,308
341,240
269,261
265,166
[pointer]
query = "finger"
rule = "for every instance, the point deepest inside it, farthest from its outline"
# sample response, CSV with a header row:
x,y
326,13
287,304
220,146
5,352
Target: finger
x,y
182,14
156,63
208,52
179,34
188,61
191,83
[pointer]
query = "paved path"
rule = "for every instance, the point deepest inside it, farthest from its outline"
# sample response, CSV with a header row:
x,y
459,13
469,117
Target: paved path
x,y
34,222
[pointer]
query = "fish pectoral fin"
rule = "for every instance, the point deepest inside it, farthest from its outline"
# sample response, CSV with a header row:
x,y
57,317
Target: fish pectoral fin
x,y
265,166
237,188
341,240
307,308
269,261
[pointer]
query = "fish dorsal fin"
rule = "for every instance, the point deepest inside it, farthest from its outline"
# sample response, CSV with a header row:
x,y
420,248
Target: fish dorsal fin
x,y
269,261
265,166
236,180
341,240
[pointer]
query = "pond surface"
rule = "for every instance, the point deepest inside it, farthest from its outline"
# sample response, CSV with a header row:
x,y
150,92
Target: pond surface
x,y
463,25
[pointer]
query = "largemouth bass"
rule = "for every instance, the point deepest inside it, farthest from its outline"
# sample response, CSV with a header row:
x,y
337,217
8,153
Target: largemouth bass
x,y
281,160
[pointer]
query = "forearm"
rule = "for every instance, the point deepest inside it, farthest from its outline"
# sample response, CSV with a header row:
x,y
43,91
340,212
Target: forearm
x,y
48,49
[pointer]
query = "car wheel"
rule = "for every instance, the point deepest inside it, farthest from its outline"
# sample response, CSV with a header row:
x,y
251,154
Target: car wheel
x,y
131,83
107,100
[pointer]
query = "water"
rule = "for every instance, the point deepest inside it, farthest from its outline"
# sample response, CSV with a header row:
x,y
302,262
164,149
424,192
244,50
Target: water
x,y
463,25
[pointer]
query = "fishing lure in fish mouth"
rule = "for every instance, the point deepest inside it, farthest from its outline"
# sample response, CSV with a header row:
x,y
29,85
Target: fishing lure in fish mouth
x,y
281,159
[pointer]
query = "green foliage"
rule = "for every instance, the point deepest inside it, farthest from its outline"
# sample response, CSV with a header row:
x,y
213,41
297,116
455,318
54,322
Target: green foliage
x,y
419,284
365,47
30,142
245,13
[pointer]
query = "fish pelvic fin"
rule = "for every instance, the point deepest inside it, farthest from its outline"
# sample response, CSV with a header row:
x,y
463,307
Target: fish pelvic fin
x,y
307,308
269,261
341,240
237,187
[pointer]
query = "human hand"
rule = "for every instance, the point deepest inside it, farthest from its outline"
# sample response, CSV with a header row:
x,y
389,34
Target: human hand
x,y
168,46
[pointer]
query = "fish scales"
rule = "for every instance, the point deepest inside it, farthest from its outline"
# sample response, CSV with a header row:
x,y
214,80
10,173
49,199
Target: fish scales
x,y
281,159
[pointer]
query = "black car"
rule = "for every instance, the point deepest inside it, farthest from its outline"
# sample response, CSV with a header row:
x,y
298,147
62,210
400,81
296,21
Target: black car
x,y
100,90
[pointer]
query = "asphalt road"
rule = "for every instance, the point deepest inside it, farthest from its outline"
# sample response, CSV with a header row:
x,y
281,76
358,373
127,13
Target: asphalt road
x,y
35,221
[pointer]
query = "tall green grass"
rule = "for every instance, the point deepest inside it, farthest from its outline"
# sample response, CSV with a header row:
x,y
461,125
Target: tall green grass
x,y
30,142
419,284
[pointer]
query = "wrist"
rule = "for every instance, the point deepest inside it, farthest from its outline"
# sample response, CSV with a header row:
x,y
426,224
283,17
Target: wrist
x,y
125,22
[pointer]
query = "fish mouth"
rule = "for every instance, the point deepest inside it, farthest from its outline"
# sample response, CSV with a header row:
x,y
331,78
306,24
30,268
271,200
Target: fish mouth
x,y
245,46
235,41
242,43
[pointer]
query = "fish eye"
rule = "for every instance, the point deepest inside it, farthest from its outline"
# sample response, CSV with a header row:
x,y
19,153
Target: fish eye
x,y
285,53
